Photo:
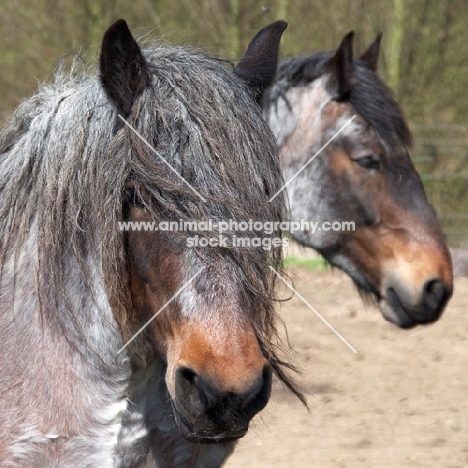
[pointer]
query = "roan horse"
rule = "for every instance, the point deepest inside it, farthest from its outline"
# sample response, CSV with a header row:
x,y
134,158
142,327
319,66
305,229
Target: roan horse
x,y
74,288
397,252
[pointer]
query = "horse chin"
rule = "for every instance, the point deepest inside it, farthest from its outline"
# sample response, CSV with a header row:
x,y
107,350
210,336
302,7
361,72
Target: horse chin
x,y
394,311
390,306
396,314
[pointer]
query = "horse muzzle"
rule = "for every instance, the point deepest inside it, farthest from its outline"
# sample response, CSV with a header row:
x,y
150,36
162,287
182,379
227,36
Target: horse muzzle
x,y
206,414
407,308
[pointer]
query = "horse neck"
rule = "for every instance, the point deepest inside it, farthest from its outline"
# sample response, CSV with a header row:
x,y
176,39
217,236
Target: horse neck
x,y
83,312
295,119
50,365
91,323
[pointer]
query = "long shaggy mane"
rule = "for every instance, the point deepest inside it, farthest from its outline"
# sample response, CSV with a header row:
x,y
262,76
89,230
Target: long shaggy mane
x,y
65,159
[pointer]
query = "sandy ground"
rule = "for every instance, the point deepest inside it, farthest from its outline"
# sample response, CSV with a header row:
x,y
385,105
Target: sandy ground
x,y
401,401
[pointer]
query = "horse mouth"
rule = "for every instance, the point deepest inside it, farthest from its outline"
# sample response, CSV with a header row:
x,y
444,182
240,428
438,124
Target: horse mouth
x,y
203,436
393,310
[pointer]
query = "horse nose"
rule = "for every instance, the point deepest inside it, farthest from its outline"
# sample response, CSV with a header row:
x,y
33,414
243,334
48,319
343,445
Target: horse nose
x,y
435,294
226,412
406,307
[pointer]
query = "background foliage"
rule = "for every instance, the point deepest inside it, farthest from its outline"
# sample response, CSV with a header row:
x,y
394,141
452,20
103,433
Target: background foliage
x,y
424,58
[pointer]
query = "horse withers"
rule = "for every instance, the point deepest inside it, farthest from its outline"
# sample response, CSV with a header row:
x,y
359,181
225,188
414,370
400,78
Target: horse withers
x,y
387,236
163,134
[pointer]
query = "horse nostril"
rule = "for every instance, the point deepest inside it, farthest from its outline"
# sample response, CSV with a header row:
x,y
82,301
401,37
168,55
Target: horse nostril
x,y
195,387
434,294
187,374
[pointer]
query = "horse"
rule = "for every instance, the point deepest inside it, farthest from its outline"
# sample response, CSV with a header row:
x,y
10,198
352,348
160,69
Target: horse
x,y
126,348
344,150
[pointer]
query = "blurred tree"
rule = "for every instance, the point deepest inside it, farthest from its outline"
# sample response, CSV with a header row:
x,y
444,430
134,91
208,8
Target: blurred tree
x,y
424,55
395,43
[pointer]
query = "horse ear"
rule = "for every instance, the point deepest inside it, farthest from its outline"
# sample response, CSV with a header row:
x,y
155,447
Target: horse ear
x,y
371,55
340,67
258,65
122,67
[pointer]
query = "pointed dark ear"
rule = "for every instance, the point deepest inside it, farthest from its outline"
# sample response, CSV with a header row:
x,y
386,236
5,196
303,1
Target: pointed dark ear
x,y
340,67
122,67
258,65
371,55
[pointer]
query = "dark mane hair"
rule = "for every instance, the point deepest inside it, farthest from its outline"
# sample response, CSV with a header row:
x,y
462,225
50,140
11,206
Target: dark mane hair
x,y
371,98
65,160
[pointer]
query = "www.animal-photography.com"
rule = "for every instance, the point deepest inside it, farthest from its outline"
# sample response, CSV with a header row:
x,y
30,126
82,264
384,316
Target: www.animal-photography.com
x,y
233,234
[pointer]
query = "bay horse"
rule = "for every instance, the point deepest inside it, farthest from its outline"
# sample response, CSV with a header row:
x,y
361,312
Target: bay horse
x,y
396,253
75,161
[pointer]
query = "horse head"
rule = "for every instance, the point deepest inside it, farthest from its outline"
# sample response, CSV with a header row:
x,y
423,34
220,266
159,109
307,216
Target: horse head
x,y
210,309
344,148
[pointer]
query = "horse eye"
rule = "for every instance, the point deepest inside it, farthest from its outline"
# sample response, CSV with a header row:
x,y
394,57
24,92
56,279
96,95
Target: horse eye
x,y
132,197
371,161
